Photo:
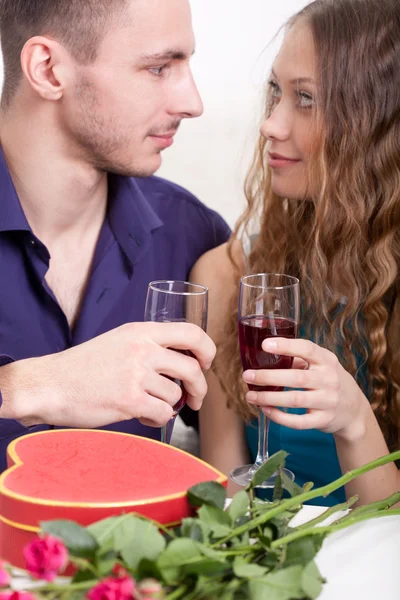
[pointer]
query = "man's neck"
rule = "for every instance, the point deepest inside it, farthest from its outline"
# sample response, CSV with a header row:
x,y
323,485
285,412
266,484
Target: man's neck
x,y
62,196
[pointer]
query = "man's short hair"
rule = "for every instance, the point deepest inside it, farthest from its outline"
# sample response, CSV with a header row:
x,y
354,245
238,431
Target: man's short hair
x,y
78,24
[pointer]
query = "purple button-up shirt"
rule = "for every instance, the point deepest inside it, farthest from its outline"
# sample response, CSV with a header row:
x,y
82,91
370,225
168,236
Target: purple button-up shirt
x,y
153,230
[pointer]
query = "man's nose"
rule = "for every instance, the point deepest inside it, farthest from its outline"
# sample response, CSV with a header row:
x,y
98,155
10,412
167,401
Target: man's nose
x,y
187,100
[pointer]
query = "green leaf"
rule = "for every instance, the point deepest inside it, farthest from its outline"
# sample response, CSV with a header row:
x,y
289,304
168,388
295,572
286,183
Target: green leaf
x,y
244,570
77,539
239,505
177,553
267,469
148,569
210,493
82,575
290,486
136,539
206,567
195,529
218,521
102,529
105,566
303,550
278,488
311,581
284,584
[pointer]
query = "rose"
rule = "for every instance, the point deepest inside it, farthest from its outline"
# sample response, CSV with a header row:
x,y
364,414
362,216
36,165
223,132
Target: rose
x,y
45,557
150,589
113,588
4,576
16,596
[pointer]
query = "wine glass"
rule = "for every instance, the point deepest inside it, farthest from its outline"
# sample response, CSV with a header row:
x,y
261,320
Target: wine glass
x,y
176,302
269,306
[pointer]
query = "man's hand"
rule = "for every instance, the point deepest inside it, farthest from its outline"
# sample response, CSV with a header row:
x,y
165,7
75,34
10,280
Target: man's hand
x,y
114,377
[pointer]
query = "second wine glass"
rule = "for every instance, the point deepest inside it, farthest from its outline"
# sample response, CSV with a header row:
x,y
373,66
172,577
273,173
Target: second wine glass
x,y
176,302
269,306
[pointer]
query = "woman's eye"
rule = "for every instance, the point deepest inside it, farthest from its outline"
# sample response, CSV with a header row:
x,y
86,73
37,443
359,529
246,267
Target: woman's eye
x,y
305,100
275,90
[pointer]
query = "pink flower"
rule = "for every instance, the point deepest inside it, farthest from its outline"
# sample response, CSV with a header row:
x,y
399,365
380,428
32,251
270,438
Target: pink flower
x,y
4,576
150,589
113,588
16,596
45,557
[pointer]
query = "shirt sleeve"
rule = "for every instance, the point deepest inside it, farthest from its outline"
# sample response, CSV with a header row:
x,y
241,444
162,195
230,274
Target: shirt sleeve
x,y
4,360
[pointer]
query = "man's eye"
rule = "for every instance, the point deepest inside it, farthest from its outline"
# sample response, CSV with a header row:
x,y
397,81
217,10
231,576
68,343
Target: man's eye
x,y
157,71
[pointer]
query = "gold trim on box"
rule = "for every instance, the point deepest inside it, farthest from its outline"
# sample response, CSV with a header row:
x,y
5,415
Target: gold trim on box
x,y
15,525
12,452
32,529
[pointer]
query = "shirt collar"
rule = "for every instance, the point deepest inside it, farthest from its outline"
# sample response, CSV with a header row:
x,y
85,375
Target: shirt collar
x,y
131,217
12,216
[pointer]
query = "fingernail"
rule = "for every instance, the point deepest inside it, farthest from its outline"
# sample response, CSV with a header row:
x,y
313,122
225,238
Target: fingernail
x,y
266,411
249,376
251,397
270,344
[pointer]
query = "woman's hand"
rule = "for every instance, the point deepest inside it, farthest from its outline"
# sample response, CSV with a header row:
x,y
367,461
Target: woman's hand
x,y
330,395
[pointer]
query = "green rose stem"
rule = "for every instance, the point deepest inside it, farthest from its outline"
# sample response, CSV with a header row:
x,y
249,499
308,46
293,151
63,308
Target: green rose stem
x,y
332,528
68,587
305,497
330,511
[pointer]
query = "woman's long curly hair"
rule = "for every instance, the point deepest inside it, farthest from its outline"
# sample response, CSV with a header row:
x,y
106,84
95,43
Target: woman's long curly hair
x,y
345,241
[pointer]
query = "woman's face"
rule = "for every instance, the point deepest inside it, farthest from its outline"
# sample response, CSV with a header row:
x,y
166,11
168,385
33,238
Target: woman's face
x,y
291,128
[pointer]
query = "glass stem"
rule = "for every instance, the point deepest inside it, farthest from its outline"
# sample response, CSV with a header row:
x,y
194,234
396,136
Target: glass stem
x,y
262,452
164,434
166,431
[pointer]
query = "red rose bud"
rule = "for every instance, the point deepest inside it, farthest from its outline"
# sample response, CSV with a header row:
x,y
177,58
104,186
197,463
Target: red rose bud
x,y
150,589
45,557
113,588
4,576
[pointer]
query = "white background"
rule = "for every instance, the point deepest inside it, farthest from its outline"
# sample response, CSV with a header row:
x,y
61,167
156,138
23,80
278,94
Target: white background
x,y
236,44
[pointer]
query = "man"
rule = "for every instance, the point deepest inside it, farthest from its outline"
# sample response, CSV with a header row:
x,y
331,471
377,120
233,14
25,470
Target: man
x,y
94,90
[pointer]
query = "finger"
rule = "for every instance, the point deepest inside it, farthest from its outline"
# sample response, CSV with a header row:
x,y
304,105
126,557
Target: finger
x,y
164,388
291,399
312,420
308,351
299,363
153,410
187,369
293,378
183,336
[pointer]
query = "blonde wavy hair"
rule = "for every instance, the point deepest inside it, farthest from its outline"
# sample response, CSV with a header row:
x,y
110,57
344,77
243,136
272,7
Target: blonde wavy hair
x,y
346,240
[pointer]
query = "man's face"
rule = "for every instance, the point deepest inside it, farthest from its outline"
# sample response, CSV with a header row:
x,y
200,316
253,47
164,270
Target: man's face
x,y
126,106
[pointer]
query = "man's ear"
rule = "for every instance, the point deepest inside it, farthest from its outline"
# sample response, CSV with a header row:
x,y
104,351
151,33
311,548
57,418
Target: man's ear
x,y
44,63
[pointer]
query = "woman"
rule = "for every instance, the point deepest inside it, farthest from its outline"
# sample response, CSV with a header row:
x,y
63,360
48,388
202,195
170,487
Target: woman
x,y
324,192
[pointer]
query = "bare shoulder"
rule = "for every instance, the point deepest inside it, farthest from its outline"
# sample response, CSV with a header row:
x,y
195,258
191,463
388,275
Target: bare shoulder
x,y
216,271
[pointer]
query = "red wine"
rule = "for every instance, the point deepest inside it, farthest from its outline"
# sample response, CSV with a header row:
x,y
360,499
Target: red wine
x,y
181,403
253,330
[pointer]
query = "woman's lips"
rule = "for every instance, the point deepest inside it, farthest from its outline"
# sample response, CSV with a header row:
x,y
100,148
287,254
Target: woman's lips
x,y
279,161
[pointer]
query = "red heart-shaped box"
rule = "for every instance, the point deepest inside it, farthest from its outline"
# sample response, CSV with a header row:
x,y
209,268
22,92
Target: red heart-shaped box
x,y
88,475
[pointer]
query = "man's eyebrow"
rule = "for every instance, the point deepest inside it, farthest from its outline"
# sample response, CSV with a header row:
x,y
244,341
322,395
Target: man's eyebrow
x,y
296,80
169,54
